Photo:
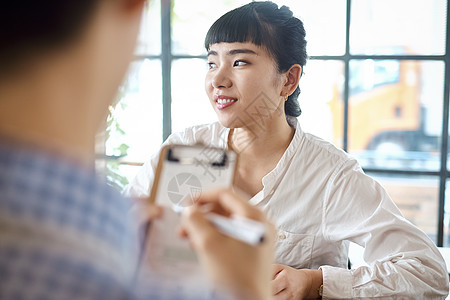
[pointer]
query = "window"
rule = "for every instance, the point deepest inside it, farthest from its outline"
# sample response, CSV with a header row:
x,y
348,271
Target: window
x,y
367,74
376,84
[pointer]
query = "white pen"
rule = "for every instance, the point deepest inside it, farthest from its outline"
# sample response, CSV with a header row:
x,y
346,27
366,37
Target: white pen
x,y
246,230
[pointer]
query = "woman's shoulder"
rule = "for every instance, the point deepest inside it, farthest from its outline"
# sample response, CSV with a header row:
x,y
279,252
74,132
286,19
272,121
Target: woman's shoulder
x,y
327,151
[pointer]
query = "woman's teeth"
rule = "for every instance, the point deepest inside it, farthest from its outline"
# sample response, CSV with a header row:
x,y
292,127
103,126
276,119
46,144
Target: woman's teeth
x,y
222,101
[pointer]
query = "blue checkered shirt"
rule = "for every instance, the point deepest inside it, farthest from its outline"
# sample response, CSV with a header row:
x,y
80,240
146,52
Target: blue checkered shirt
x,y
64,234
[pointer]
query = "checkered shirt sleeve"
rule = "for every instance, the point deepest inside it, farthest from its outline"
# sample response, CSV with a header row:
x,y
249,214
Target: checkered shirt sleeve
x,y
64,234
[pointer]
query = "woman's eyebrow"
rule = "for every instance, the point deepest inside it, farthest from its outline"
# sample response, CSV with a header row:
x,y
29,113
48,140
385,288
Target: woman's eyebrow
x,y
240,51
234,52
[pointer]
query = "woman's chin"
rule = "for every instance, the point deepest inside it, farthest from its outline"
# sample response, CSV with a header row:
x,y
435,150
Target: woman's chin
x,y
230,122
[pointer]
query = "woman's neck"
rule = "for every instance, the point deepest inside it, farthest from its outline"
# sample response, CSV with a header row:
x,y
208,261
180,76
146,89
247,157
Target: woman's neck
x,y
257,142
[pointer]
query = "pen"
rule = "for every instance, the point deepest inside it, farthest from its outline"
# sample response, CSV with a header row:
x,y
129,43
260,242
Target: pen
x,y
246,230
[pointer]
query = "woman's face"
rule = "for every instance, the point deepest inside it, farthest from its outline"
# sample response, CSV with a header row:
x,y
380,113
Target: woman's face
x,y
243,85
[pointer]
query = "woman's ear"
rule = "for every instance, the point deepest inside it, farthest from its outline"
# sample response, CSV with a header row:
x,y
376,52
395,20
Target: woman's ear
x,y
292,79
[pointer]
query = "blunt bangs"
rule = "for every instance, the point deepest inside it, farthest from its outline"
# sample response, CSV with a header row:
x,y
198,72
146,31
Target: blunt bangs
x,y
239,25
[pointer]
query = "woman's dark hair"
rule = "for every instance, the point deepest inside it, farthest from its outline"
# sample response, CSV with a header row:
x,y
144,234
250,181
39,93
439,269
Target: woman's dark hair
x,y
266,25
29,27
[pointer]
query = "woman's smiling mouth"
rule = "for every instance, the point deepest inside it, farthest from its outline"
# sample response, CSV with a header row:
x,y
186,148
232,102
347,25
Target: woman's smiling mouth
x,y
224,102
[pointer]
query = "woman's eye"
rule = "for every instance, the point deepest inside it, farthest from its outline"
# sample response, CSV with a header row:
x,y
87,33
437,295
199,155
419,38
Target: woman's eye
x,y
239,63
211,65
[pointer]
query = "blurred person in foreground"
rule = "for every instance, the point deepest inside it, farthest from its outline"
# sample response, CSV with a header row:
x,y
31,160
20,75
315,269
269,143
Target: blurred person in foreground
x,y
64,234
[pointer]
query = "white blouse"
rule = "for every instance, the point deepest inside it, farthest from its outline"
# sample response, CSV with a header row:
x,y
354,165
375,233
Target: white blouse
x,y
320,199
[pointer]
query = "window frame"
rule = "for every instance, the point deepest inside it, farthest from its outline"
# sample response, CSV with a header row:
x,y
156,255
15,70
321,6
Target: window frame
x,y
166,57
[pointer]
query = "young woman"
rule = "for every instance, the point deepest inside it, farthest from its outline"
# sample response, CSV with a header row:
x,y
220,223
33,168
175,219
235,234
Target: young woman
x,y
317,195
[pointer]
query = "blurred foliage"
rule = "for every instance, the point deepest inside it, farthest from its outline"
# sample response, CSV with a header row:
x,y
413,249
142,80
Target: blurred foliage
x,y
113,129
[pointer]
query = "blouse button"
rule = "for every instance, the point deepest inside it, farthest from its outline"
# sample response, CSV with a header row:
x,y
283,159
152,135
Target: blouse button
x,y
271,192
282,236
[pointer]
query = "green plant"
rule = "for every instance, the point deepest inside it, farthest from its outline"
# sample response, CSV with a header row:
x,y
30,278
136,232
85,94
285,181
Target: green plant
x,y
113,137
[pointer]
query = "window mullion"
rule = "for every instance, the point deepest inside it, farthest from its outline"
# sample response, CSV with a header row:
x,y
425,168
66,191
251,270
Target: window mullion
x,y
166,66
444,147
346,75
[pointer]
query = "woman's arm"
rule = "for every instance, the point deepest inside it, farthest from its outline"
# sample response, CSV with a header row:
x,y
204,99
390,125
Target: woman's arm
x,y
402,260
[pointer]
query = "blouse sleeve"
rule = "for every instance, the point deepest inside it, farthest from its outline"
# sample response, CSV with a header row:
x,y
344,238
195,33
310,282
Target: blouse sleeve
x,y
402,260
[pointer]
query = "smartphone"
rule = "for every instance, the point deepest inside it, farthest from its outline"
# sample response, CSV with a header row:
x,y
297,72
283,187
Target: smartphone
x,y
185,171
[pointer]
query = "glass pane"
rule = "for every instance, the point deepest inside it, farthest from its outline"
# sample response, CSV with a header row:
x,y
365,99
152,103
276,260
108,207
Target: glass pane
x,y
448,149
398,27
324,22
416,197
138,115
190,104
191,21
319,85
395,113
149,39
446,242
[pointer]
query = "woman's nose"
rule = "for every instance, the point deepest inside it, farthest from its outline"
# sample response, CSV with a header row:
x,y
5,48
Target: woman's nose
x,y
221,79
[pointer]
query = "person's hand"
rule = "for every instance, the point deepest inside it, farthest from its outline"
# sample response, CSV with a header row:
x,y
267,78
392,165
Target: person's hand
x,y
236,268
142,211
290,283
140,214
